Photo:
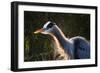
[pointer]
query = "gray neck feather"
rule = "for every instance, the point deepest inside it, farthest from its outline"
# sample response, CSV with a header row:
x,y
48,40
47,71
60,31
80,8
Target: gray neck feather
x,y
64,42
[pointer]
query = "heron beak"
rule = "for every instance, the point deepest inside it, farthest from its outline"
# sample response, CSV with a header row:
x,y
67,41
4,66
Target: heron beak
x,y
39,31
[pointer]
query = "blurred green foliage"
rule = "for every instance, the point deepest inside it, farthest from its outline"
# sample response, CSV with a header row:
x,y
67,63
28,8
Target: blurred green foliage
x,y
37,47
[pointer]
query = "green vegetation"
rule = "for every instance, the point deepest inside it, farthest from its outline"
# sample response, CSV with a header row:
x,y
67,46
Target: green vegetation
x,y
37,47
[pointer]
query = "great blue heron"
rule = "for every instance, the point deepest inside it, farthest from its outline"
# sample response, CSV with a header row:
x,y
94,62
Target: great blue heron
x,y
65,48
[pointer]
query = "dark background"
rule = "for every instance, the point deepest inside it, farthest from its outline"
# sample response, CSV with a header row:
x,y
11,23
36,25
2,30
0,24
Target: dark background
x,y
37,47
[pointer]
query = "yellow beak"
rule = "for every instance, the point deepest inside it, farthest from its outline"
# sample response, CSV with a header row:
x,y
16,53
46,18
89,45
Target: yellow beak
x,y
39,31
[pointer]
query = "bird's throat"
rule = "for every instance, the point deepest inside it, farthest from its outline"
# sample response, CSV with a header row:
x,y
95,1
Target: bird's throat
x,y
58,49
59,35
60,41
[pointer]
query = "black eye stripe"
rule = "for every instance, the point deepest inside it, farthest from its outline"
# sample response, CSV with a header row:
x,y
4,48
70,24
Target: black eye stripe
x,y
50,25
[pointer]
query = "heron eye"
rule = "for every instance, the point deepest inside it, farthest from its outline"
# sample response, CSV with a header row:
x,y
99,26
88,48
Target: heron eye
x,y
50,25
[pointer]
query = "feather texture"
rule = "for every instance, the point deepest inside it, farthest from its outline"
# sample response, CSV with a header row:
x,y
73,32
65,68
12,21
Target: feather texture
x,y
64,48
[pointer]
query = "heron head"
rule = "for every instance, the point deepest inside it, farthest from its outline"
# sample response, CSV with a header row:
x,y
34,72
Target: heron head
x,y
46,29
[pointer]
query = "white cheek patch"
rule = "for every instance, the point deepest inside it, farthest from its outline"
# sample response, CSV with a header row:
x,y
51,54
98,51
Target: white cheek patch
x,y
47,31
46,24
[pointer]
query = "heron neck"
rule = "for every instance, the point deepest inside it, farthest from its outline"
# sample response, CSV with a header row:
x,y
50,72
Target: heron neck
x,y
61,40
60,36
